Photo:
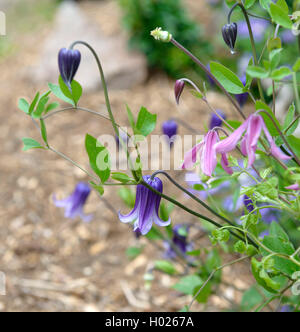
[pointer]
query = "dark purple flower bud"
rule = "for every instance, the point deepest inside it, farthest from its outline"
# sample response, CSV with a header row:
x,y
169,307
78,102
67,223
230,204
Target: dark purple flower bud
x,y
74,204
243,97
248,203
169,129
229,32
180,240
68,63
179,86
146,209
215,121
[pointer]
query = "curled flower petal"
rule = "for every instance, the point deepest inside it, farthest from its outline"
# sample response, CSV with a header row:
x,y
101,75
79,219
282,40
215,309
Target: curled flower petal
x,y
230,143
275,150
191,156
253,134
209,156
225,164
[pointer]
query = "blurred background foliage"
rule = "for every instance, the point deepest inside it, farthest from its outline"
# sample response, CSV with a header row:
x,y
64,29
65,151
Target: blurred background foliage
x,y
142,16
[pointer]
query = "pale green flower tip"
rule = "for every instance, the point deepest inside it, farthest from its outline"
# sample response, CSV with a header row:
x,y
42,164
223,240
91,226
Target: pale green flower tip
x,y
159,34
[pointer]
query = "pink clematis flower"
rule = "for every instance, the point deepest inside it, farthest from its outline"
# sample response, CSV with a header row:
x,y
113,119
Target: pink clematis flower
x,y
208,156
293,187
252,128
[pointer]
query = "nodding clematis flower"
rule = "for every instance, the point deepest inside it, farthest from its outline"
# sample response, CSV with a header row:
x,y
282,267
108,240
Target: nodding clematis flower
x,y
293,187
242,97
179,86
146,209
169,129
68,62
229,32
215,121
208,156
74,204
179,240
252,128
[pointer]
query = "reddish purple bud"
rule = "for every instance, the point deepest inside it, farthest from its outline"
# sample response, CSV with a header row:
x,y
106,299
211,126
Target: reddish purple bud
x,y
68,63
179,86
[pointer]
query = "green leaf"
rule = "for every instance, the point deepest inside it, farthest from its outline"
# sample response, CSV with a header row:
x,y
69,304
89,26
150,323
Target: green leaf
x,y
23,105
187,285
133,252
280,73
249,3
277,231
260,105
251,299
296,66
30,143
257,72
204,294
281,246
74,93
265,3
165,266
44,131
51,107
256,269
98,188
99,157
295,144
280,16
227,78
122,177
128,196
41,105
146,122
130,118
275,57
289,119
34,102
59,94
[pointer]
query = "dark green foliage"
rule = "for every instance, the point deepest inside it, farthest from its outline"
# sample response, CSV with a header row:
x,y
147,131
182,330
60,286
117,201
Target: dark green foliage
x,y
142,16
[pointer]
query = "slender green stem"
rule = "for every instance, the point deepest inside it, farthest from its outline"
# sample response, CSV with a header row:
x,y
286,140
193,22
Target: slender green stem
x,y
108,105
296,92
212,275
73,163
195,198
201,65
183,207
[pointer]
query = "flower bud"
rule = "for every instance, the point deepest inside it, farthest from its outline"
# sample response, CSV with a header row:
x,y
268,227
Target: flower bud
x,y
68,63
169,128
179,86
215,121
229,32
161,35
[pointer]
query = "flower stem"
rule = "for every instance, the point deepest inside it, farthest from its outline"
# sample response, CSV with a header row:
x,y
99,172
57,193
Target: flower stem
x,y
201,65
245,13
296,92
107,101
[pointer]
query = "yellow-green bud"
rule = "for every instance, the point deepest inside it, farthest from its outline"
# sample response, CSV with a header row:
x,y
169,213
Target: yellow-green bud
x,y
161,35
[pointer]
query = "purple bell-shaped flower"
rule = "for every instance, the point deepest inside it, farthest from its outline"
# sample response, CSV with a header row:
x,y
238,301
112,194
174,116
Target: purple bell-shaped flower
x,y
74,204
146,209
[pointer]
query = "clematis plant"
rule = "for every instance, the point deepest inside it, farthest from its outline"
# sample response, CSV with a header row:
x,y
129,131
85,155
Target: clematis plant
x,y
245,198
